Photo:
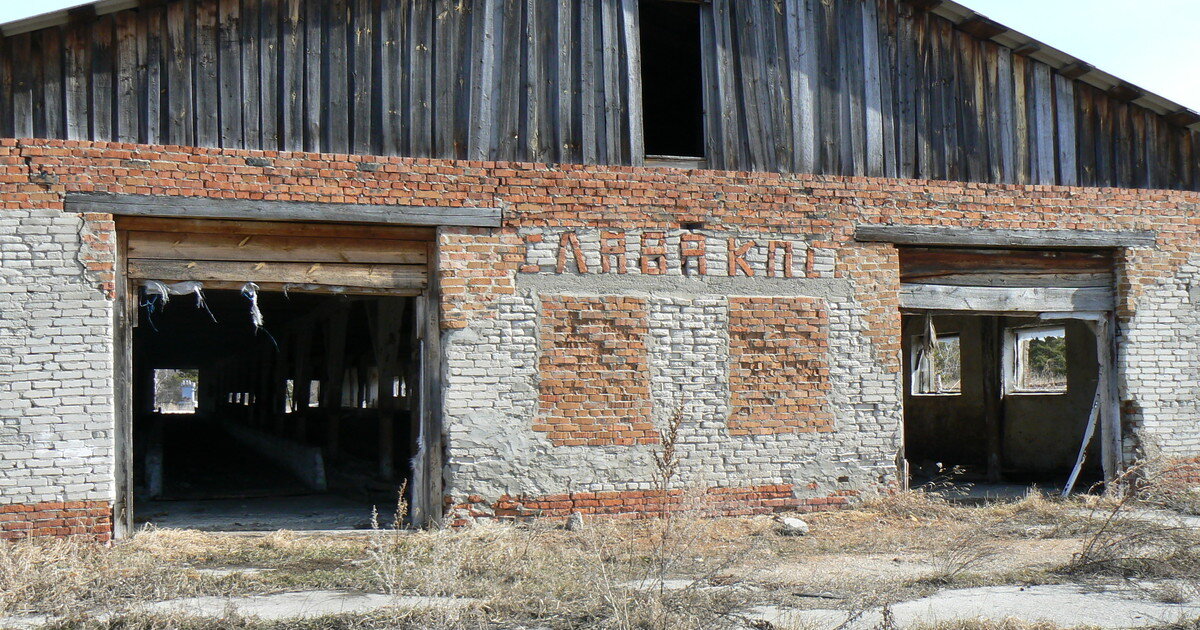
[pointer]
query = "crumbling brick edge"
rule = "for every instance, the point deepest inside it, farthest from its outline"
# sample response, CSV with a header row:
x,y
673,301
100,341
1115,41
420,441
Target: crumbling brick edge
x,y
57,519
643,504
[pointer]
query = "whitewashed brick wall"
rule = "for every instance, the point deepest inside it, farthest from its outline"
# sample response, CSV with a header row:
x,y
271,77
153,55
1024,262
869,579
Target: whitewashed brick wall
x,y
56,362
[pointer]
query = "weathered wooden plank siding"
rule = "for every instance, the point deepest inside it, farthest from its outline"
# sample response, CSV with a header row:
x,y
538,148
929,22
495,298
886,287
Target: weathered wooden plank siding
x,y
852,87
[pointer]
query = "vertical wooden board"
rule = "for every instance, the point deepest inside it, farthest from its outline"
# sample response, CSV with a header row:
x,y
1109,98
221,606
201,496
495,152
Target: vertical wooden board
x,y
735,150
314,54
1020,68
51,96
207,76
1151,150
981,138
362,53
1045,124
291,129
77,69
1085,155
778,133
250,35
1104,141
991,110
391,24
1137,146
873,101
907,90
1064,114
452,90
421,82
270,69
952,101
547,19
886,29
179,48
589,71
20,51
510,108
529,95
127,94
6,108
631,52
1194,161
229,68
846,83
336,101
151,29
103,89
747,30
854,86
566,92
1007,113
611,94
802,84
924,88
1170,155
710,78
1123,156
939,103
830,88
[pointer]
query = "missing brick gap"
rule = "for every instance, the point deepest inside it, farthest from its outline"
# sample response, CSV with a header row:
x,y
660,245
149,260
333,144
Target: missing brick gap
x,y
692,225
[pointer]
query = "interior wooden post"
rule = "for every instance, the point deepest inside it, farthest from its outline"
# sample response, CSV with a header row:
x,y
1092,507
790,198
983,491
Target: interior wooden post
x,y
993,393
331,392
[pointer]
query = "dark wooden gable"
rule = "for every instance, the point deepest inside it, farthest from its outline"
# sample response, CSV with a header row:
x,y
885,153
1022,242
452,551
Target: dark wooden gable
x,y
849,87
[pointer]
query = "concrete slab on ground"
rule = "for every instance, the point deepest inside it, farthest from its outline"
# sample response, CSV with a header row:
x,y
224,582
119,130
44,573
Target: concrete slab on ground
x,y
296,513
302,605
1066,605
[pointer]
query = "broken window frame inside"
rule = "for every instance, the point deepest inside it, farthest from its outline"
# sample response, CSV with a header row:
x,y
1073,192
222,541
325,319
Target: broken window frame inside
x,y
928,366
1018,362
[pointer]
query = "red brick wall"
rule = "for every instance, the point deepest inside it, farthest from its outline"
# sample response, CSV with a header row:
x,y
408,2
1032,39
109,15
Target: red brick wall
x,y
90,519
475,266
595,380
648,503
778,373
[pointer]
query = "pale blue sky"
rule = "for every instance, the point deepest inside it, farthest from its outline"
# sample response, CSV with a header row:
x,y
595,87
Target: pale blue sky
x,y
1152,43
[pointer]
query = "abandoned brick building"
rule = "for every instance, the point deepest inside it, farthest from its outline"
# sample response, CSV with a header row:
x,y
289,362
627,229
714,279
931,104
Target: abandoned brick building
x,y
487,250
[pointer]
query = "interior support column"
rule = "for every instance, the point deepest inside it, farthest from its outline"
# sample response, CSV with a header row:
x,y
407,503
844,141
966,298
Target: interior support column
x,y
993,395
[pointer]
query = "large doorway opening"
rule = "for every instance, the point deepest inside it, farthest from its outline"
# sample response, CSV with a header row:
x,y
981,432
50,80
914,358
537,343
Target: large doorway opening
x,y
1008,369
305,422
999,399
279,375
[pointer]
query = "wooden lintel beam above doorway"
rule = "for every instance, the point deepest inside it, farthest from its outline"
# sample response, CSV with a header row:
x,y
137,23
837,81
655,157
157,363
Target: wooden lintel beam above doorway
x,y
978,237
933,297
258,210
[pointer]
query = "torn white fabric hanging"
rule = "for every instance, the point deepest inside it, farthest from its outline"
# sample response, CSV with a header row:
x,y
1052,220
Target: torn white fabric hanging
x,y
250,292
164,292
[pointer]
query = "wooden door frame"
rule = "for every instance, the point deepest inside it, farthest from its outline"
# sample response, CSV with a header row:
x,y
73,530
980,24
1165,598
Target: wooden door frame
x,y
426,497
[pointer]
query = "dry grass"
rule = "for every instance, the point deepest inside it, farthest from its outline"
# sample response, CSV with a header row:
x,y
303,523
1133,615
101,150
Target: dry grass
x,y
681,571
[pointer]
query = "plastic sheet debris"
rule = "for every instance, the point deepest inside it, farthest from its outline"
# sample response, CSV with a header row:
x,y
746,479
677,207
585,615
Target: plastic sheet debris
x,y
250,292
164,291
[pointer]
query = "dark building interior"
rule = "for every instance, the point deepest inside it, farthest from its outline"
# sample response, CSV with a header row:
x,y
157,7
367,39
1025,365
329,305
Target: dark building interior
x,y
1000,400
307,422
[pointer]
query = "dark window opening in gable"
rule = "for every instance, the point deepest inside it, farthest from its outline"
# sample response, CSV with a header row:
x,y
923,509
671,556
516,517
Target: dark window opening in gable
x,y
672,92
